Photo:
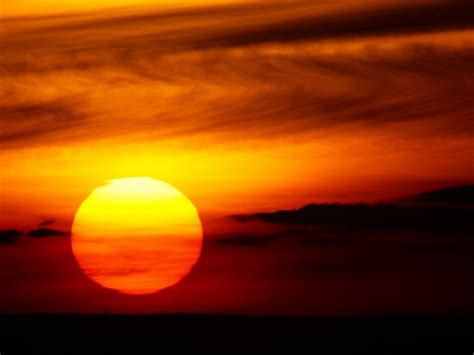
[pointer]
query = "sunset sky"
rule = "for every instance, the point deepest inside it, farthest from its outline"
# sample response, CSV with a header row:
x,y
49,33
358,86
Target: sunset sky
x,y
244,107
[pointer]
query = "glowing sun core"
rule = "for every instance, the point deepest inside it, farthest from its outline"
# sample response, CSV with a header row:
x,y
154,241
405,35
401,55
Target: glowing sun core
x,y
136,235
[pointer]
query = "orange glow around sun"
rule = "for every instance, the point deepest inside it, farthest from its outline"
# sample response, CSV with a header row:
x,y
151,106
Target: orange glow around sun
x,y
136,235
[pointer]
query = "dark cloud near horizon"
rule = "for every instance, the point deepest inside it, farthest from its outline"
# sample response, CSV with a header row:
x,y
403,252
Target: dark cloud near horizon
x,y
382,217
412,220
250,69
454,195
9,236
434,215
47,232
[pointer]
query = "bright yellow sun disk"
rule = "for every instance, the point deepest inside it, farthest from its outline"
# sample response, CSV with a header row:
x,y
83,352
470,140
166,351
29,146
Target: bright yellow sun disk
x,y
136,235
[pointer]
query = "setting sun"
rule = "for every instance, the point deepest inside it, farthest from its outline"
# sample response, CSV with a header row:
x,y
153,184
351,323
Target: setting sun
x,y
136,235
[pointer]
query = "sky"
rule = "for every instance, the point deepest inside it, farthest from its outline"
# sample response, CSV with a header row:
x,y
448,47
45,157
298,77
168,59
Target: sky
x,y
244,107
52,7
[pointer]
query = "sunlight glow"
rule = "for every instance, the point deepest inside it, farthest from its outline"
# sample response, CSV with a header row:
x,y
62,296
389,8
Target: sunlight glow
x,y
136,235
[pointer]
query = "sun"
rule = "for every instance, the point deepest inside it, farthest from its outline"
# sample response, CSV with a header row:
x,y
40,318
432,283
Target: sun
x,y
136,235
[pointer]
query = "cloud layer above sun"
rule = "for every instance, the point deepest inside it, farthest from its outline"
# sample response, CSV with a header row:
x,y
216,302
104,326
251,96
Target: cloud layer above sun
x,y
241,70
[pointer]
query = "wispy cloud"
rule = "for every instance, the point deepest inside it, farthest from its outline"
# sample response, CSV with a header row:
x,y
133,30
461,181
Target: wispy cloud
x,y
239,71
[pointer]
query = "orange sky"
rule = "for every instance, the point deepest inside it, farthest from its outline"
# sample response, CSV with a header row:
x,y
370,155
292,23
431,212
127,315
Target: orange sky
x,y
35,7
244,108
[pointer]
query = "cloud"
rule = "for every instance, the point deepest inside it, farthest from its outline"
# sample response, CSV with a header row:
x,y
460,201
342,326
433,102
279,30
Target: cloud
x,y
9,236
310,23
383,216
462,196
47,232
362,216
37,120
430,222
240,72
248,24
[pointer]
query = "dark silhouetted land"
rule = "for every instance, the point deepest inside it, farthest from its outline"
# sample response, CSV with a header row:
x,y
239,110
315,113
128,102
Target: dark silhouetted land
x,y
185,333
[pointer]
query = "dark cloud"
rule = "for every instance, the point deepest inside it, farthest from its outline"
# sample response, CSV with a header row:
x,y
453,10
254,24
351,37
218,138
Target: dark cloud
x,y
240,71
35,121
9,236
395,18
383,217
248,24
47,232
455,195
